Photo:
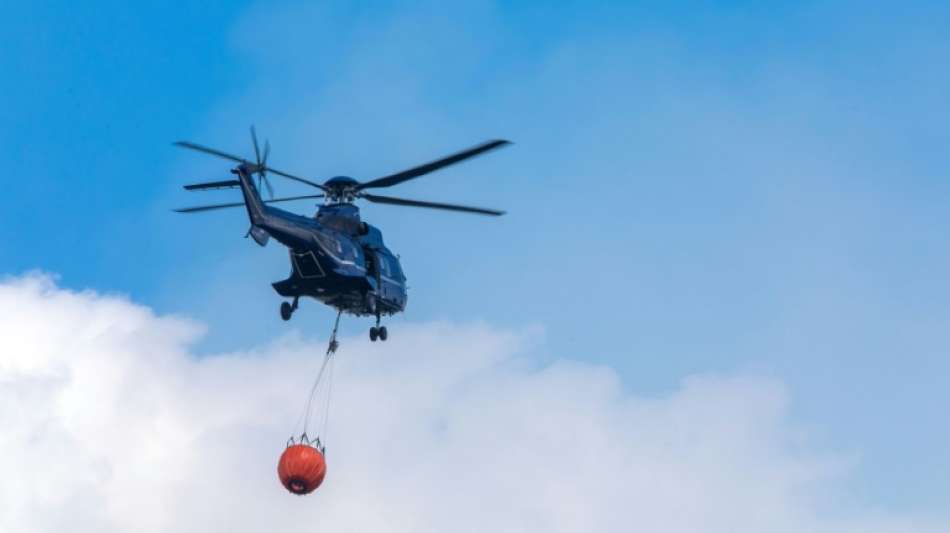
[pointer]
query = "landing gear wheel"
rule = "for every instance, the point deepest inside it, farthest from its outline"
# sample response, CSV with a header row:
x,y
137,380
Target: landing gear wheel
x,y
286,310
373,333
383,334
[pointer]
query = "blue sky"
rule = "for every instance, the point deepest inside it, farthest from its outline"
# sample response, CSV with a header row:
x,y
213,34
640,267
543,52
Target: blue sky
x,y
694,187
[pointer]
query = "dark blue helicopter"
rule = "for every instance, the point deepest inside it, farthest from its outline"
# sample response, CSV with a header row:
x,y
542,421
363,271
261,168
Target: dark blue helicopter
x,y
335,257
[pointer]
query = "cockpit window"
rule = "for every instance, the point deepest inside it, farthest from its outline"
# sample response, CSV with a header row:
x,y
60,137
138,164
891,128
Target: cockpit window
x,y
389,267
395,271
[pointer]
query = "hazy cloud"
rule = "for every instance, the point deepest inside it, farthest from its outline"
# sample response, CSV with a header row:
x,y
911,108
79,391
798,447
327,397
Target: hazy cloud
x,y
110,424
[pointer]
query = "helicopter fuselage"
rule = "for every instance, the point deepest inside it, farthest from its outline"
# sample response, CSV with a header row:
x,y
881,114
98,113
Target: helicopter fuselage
x,y
335,257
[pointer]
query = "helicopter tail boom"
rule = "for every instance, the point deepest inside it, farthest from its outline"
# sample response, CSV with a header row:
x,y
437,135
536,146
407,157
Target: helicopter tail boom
x,y
256,211
269,221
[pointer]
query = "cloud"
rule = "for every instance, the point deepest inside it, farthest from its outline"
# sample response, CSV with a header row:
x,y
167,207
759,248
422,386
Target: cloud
x,y
110,424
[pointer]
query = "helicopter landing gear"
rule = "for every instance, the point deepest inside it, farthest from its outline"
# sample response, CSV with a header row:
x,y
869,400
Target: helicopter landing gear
x,y
378,332
370,301
287,309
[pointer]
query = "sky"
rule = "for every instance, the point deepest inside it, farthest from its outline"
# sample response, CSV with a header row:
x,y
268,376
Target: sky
x,y
749,192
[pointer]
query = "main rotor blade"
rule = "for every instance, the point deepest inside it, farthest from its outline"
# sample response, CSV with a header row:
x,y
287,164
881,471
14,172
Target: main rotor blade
x,y
225,155
212,151
297,178
200,208
415,172
229,184
290,198
432,205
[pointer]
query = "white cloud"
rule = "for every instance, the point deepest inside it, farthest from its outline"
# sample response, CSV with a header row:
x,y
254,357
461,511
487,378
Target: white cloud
x,y
109,424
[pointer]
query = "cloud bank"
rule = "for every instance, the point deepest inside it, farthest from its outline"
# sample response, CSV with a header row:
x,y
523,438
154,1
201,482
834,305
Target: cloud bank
x,y
110,424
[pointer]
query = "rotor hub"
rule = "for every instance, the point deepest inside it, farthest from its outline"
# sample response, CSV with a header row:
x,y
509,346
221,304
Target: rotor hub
x,y
341,189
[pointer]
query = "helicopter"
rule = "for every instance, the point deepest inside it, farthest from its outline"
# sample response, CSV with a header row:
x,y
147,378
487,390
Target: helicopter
x,y
335,256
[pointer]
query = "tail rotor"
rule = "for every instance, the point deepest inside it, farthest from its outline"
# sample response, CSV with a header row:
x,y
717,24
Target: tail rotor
x,y
262,163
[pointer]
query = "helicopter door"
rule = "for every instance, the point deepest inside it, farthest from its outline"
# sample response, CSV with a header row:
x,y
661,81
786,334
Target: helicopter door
x,y
306,265
372,266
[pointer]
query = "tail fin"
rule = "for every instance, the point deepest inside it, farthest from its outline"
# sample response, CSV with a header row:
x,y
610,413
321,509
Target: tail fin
x,y
256,211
